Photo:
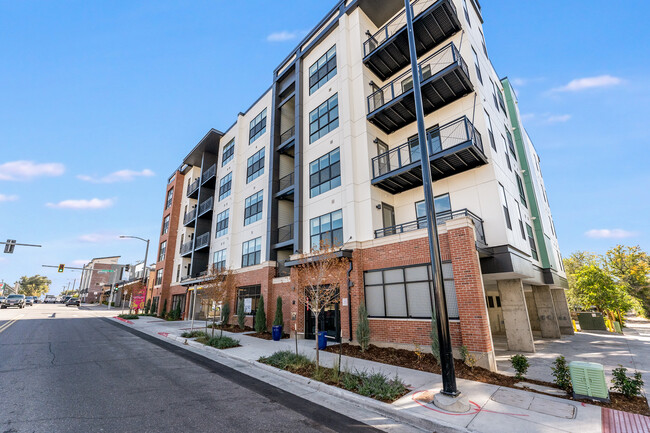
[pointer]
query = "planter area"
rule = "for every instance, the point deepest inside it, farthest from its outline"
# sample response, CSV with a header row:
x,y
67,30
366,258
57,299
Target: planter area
x,y
216,341
267,335
427,362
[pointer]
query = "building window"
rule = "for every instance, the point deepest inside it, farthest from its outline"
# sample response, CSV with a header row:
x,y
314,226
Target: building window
x,y
250,296
178,273
522,194
506,212
521,221
225,185
483,42
253,208
220,260
488,124
323,70
505,145
466,13
531,241
494,94
170,195
442,205
257,127
165,227
228,152
255,166
326,230
159,274
222,223
324,119
162,251
511,144
325,173
251,252
178,301
502,104
476,65
407,292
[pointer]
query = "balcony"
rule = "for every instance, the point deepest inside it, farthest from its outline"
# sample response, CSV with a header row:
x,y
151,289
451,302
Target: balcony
x,y
193,189
189,217
186,248
284,236
453,148
205,208
387,51
287,139
281,270
441,218
202,241
445,78
285,187
208,178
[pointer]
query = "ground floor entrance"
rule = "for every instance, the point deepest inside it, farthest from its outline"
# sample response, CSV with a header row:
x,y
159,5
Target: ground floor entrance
x,y
329,320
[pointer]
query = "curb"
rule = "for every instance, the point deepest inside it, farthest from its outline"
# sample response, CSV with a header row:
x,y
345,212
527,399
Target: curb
x,y
383,409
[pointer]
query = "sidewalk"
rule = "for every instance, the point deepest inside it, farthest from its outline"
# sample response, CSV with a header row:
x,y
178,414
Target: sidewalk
x,y
494,408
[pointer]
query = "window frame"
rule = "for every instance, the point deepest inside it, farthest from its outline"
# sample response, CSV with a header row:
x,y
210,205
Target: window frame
x,y
255,131
488,124
330,72
324,234
522,192
162,251
506,210
531,242
256,253
253,291
170,197
477,65
253,203
159,277
332,182
165,227
228,152
221,227
220,265
332,121
255,165
225,186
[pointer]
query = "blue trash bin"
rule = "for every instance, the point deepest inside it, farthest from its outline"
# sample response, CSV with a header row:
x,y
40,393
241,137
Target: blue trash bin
x,y
276,332
322,340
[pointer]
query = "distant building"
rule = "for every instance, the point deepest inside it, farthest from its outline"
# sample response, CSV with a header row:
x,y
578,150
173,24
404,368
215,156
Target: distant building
x,y
93,280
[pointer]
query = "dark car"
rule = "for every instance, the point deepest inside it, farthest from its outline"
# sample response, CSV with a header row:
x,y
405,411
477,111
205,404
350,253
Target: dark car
x,y
14,301
72,301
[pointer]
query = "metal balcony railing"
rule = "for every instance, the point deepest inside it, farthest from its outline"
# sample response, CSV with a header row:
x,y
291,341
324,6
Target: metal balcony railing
x,y
189,216
441,218
186,247
209,173
281,270
202,240
286,135
285,182
285,233
447,136
193,187
205,206
435,63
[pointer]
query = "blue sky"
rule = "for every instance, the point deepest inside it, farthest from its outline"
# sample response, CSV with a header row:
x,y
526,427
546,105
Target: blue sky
x,y
99,102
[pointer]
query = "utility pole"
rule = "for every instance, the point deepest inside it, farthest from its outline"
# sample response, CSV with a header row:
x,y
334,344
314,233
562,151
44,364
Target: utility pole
x,y
449,398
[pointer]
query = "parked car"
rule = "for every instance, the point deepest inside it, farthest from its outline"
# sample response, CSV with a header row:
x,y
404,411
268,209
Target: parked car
x,y
72,301
50,299
64,300
29,300
36,299
14,301
2,299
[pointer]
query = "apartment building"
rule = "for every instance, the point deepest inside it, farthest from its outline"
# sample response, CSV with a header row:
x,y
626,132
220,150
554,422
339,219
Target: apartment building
x,y
98,273
330,153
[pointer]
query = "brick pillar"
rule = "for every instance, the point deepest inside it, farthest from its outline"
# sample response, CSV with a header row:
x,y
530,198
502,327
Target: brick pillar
x,y
470,294
562,311
546,312
515,316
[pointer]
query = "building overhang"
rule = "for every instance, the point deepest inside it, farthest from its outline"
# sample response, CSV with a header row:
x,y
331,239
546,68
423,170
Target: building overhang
x,y
209,143
507,262
318,257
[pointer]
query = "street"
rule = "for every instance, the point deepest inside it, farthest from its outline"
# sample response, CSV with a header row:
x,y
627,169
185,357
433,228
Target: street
x,y
63,369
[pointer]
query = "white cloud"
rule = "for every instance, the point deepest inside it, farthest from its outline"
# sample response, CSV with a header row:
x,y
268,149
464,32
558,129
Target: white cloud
x,y
609,234
118,176
282,36
94,203
26,170
95,238
4,197
561,118
590,83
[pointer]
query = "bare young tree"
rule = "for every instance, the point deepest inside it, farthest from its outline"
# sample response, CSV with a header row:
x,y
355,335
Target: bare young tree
x,y
317,278
217,288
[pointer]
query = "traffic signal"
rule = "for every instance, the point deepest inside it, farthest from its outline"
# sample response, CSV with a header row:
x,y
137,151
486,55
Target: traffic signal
x,y
9,246
115,289
61,267
127,268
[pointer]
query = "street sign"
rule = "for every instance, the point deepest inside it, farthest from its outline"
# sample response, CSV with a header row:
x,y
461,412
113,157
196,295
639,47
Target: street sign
x,y
9,246
106,270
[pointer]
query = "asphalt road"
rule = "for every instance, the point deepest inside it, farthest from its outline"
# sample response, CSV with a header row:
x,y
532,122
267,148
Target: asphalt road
x,y
64,370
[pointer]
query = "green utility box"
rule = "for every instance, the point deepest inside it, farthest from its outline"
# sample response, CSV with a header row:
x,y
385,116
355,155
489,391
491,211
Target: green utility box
x,y
592,321
588,380
617,327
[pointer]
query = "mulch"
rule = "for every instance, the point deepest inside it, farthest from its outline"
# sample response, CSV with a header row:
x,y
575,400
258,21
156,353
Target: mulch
x,y
235,329
267,335
427,362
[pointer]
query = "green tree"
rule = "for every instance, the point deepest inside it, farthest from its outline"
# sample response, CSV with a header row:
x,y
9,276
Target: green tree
x,y
34,286
241,314
631,266
572,264
260,316
595,287
278,320
363,328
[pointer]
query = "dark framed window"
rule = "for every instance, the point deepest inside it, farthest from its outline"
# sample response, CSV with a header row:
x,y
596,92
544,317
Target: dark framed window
x,y
502,104
323,70
506,212
222,223
250,296
178,273
488,124
165,227
228,152
325,173
251,252
255,166
483,41
324,119
253,208
219,260
407,292
326,230
225,186
505,145
494,94
162,251
257,127
178,301
442,205
159,275
170,195
477,66
469,23
531,241
522,194
521,221
511,144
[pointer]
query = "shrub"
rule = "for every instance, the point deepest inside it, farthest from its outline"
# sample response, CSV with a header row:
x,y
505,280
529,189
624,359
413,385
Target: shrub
x,y
468,358
629,387
278,320
129,316
520,364
225,314
435,344
561,374
379,386
193,334
260,316
285,359
363,328
241,315
147,307
163,313
349,381
223,342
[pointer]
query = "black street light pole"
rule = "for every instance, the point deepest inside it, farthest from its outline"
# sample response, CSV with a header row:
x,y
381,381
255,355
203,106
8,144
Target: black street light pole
x,y
444,338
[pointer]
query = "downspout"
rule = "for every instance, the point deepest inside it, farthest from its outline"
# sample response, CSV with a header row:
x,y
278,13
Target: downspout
x,y
350,284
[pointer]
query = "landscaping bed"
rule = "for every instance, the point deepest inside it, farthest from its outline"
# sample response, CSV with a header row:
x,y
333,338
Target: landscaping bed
x,y
217,341
267,335
233,328
427,362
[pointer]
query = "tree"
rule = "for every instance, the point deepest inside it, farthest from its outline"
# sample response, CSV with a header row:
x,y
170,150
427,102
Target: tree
x,y
595,287
631,266
216,288
572,264
278,320
163,313
260,317
34,286
317,278
363,328
241,314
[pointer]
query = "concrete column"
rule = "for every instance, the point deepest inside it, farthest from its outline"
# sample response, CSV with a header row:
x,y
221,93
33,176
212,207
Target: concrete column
x,y
562,311
515,316
546,312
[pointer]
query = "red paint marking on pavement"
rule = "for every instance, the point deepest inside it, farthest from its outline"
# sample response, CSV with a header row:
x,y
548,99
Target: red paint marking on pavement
x,y
164,334
473,411
616,421
123,320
